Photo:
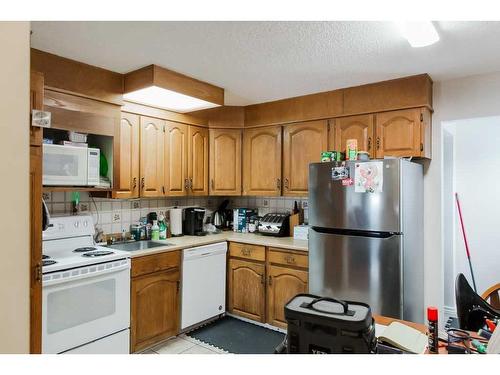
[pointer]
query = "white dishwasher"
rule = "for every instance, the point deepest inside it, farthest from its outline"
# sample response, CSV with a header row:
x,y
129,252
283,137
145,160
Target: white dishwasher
x,y
203,283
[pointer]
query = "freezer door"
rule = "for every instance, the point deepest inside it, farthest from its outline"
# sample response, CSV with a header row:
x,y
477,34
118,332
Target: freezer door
x,y
355,268
332,205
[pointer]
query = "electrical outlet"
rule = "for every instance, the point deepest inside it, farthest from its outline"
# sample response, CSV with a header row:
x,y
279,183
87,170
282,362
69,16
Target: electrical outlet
x,y
116,217
84,207
265,202
304,204
136,204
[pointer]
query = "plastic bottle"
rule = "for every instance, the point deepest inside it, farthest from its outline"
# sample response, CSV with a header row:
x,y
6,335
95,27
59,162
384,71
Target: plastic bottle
x,y
432,319
163,227
155,231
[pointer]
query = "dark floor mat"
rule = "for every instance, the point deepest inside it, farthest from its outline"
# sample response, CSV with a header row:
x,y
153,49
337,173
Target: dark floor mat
x,y
239,337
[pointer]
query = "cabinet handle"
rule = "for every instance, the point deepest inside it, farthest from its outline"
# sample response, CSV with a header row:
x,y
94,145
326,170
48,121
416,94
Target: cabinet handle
x,y
378,143
270,280
290,259
213,186
186,183
142,183
178,285
286,183
278,183
245,251
262,280
163,189
369,143
191,183
134,182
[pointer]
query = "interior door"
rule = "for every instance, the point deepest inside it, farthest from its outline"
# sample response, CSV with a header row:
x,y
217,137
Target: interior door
x,y
176,159
198,160
355,127
358,268
225,162
302,144
398,133
127,157
151,163
262,161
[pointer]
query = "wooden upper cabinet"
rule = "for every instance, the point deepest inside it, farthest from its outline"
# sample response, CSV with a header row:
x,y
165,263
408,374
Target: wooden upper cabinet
x,y
198,160
354,127
225,162
282,285
246,289
176,159
36,102
151,160
399,133
302,144
126,148
154,308
262,161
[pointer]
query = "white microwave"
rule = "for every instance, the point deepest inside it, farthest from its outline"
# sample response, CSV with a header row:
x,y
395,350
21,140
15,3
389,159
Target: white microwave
x,y
70,165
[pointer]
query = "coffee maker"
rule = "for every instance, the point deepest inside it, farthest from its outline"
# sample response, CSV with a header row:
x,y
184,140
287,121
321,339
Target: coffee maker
x,y
193,221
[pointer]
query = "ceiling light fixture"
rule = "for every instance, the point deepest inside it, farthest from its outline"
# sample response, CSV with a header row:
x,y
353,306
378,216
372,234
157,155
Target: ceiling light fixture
x,y
419,34
159,87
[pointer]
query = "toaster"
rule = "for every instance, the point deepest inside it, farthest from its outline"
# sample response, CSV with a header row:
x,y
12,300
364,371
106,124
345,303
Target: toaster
x,y
275,225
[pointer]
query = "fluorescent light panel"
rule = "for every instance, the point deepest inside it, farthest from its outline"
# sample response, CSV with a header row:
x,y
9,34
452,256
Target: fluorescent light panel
x,y
419,34
171,100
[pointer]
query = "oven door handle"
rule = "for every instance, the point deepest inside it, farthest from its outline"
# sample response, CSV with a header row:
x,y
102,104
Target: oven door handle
x,y
95,270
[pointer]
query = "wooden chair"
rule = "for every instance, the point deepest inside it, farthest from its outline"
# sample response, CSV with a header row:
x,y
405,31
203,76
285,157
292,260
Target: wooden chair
x,y
492,296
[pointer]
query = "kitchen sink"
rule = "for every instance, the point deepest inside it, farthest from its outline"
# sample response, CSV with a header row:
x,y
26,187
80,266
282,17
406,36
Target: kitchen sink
x,y
137,245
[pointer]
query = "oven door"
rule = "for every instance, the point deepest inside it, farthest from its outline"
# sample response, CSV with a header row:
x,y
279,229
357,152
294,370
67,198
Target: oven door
x,y
84,304
64,165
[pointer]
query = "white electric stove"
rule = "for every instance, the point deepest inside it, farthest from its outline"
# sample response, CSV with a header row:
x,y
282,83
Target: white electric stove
x,y
86,291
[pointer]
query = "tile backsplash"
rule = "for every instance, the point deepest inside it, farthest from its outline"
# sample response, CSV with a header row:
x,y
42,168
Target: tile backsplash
x,y
115,215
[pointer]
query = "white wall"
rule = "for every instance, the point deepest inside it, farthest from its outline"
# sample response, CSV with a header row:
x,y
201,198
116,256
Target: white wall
x,y
14,218
466,98
476,167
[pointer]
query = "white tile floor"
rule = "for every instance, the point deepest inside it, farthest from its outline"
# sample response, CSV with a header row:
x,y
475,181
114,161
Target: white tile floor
x,y
184,345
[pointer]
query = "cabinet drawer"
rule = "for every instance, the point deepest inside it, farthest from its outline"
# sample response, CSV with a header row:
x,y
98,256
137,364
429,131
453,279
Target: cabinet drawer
x,y
154,263
242,250
280,256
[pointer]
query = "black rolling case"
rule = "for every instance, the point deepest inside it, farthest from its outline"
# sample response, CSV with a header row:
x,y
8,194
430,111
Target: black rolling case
x,y
326,325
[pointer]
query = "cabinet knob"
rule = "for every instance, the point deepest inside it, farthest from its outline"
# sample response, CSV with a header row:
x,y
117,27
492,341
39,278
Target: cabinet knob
x,y
278,183
270,280
262,279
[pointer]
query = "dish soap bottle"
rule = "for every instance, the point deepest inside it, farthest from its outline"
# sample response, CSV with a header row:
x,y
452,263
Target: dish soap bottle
x,y
155,231
163,227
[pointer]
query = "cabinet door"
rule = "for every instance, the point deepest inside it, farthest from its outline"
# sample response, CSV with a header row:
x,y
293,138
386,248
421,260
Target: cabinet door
x,y
198,160
154,308
282,285
35,249
175,161
127,157
225,162
398,133
36,102
302,144
355,127
246,289
262,161
151,160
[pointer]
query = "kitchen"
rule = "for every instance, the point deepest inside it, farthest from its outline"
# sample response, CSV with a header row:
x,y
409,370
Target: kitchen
x,y
187,219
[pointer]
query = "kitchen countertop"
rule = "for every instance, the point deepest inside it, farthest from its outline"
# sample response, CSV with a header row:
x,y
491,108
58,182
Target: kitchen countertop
x,y
185,242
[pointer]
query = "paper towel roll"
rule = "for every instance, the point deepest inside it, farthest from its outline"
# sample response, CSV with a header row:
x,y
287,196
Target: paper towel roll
x,y
176,221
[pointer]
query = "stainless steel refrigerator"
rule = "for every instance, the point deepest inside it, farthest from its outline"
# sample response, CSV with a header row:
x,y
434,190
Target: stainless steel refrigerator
x,y
366,244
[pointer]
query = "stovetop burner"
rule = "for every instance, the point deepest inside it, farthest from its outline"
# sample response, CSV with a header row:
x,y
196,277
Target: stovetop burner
x,y
99,253
48,262
84,249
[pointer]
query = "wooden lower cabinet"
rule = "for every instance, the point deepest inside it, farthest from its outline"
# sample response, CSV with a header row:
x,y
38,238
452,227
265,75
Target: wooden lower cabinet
x,y
154,304
259,290
282,285
246,289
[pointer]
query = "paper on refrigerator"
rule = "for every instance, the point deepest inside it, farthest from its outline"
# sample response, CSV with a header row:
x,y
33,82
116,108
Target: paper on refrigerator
x,y
369,177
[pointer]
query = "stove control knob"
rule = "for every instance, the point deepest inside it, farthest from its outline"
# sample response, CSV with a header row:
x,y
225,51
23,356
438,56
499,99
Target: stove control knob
x,y
77,224
85,223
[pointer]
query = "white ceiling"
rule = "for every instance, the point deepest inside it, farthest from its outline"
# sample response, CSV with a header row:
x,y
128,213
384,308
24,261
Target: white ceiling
x,y
262,61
